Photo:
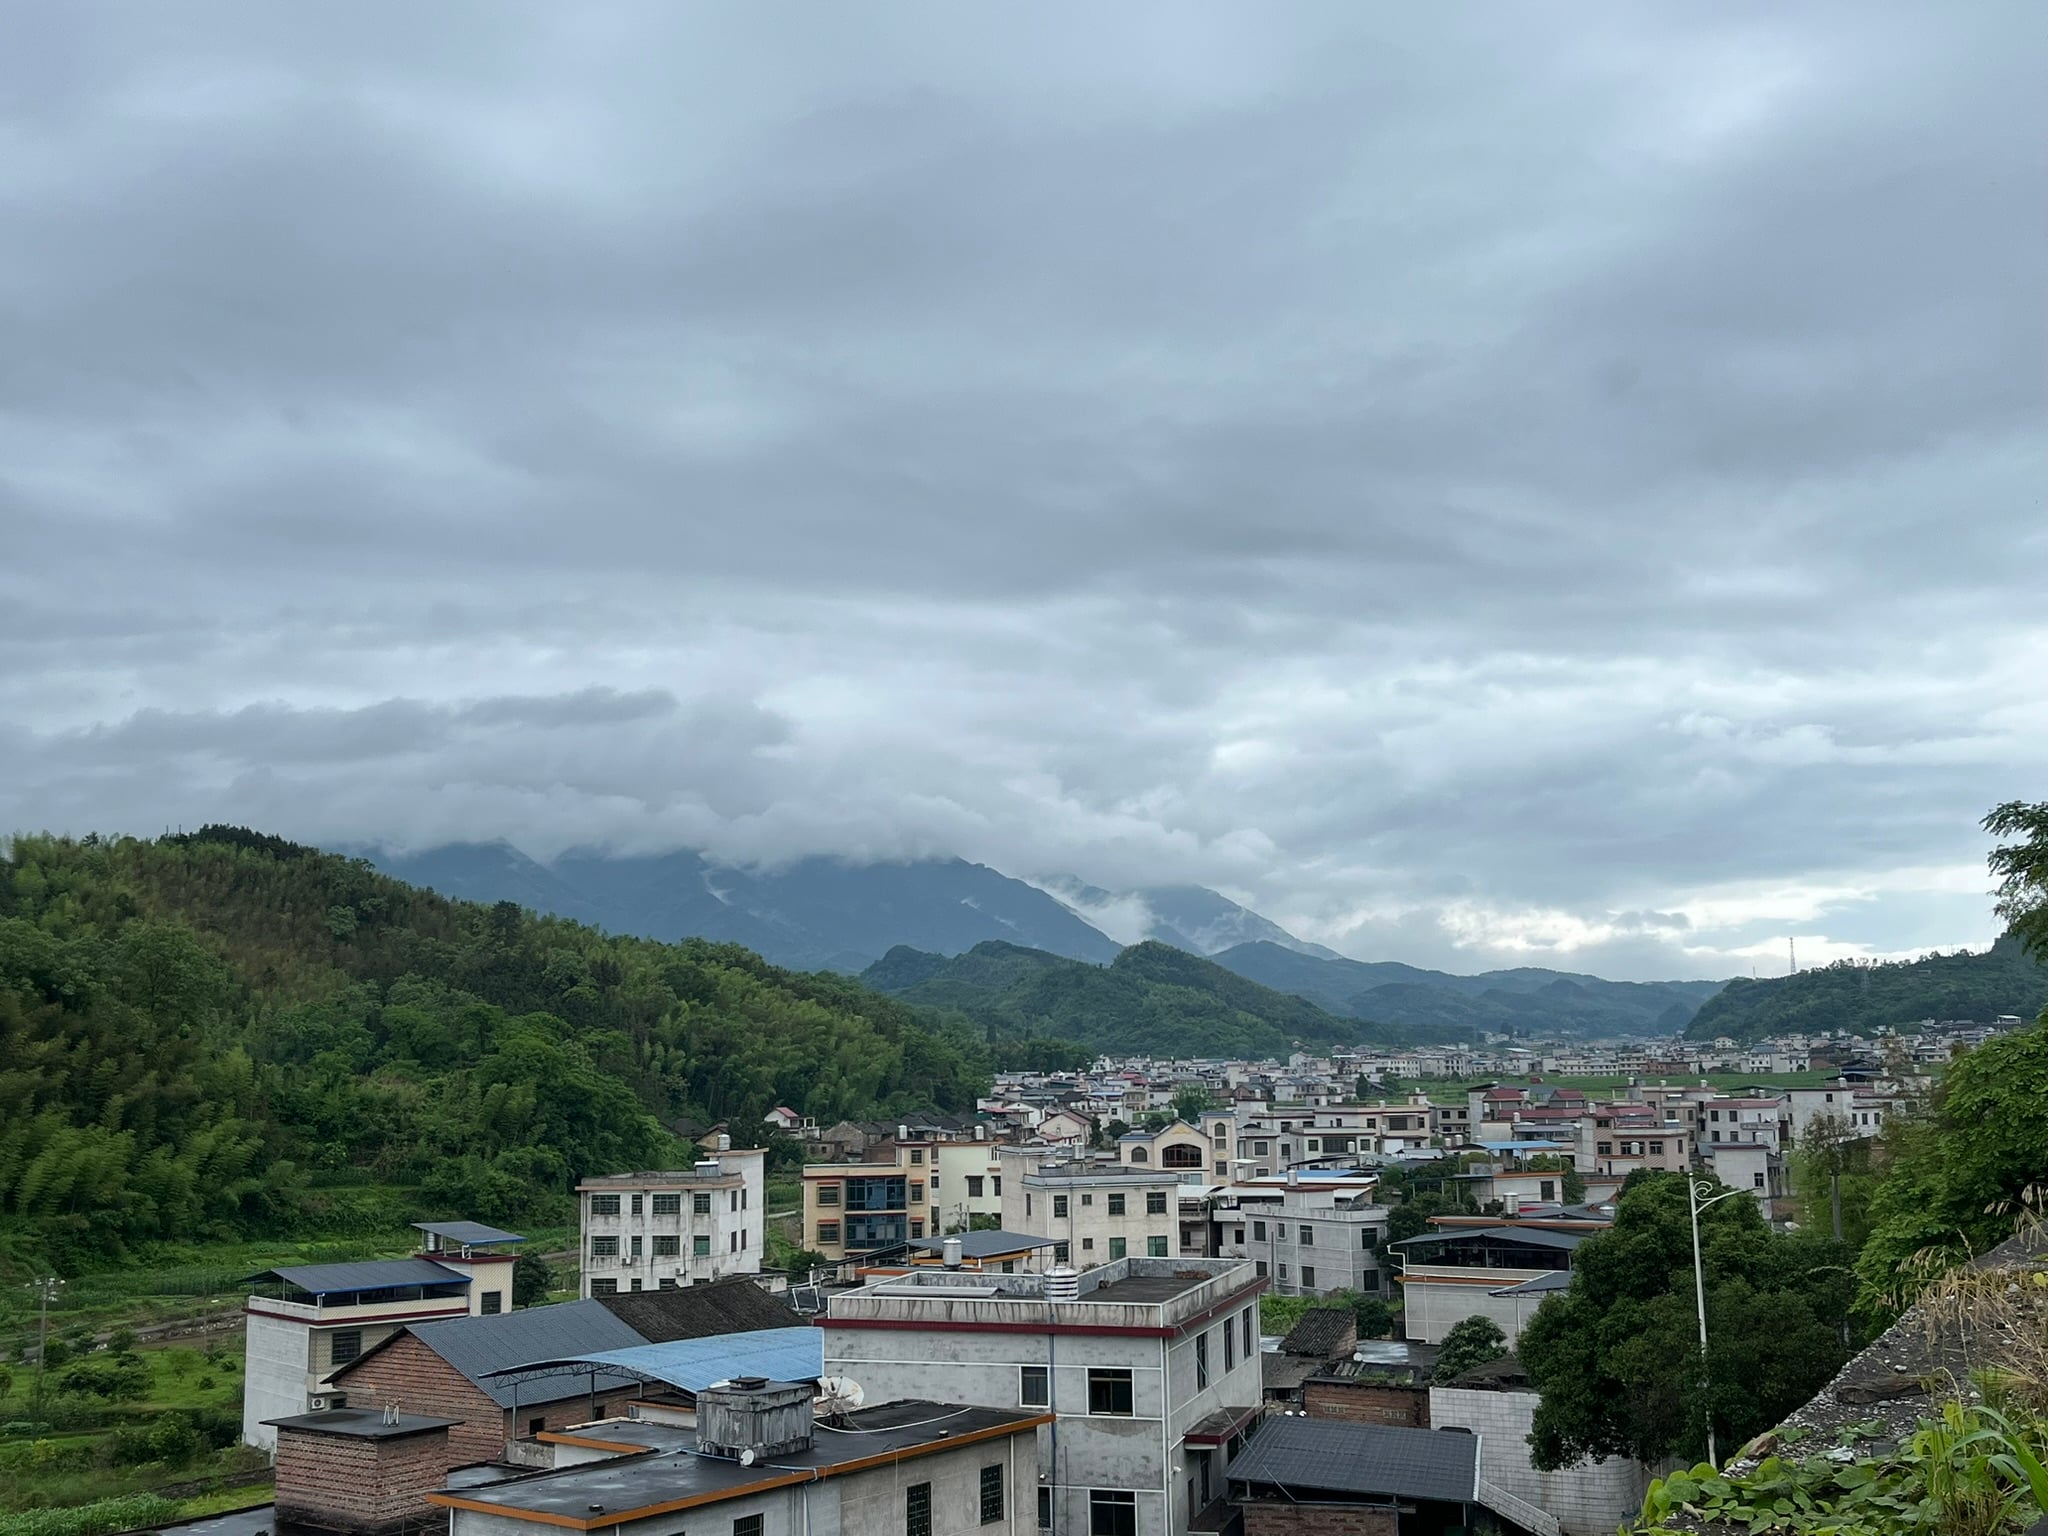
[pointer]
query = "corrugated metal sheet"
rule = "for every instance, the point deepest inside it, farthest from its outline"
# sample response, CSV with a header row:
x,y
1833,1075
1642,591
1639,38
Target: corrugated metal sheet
x,y
780,1354
1323,1455
479,1346
468,1232
367,1275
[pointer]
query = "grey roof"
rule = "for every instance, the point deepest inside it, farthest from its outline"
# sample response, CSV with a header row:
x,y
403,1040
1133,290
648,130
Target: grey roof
x,y
1555,1280
361,1423
474,1233
366,1275
1535,1237
1322,1332
1327,1456
731,1305
985,1245
477,1346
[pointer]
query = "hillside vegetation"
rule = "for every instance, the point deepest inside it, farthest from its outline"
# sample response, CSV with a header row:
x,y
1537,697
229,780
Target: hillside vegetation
x,y
1151,998
1857,996
225,1033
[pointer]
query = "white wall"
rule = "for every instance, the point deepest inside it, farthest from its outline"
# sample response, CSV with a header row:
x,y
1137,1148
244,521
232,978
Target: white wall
x,y
1591,1499
274,1369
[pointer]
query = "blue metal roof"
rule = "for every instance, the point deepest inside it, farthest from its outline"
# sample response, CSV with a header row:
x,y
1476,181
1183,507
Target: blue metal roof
x,y
474,1233
367,1275
691,1365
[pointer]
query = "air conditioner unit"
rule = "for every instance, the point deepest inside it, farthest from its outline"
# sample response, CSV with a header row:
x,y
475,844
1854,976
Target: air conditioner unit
x,y
320,1402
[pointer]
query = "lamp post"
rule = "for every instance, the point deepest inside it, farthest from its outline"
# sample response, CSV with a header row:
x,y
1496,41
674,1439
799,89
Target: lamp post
x,y
46,1290
1695,1188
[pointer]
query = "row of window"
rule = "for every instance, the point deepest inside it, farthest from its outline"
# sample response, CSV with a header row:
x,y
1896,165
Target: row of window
x,y
1308,1273
666,1246
1109,1388
1155,1203
669,1204
1630,1149
1155,1248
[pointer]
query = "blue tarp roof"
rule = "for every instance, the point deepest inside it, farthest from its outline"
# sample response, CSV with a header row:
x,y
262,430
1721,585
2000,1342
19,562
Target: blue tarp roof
x,y
691,1365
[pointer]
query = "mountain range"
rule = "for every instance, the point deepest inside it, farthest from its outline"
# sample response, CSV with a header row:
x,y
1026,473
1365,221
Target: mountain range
x,y
828,914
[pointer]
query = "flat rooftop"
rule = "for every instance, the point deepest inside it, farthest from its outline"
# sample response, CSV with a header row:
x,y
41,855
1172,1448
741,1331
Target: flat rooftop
x,y
607,1493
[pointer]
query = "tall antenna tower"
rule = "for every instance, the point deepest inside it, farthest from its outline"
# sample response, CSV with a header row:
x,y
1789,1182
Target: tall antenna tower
x,y
1791,955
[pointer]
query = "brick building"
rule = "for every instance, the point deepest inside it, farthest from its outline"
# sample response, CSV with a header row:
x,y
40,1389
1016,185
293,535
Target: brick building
x,y
1305,1477
358,1471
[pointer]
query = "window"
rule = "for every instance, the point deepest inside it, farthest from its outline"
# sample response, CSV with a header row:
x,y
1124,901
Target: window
x,y
1367,1238
1307,1236
668,1205
1155,1202
1308,1275
667,1283
917,1510
992,1493
1155,1247
917,1156
1109,1392
700,1205
974,1183
1045,1509
636,1285
1116,1205
604,1287
995,1187
637,1247
1263,1148
1087,1197
1606,1149
1112,1512
492,1304
667,1245
1222,1166
747,1525
604,1247
1248,1332
1229,1347
935,1183
1087,1245
1140,1155
1118,1247
1201,1360
344,1344
1656,1149
1059,1253
1033,1386
1258,1231
1260,1265
700,1245
637,1202
604,1205
1181,1156
1283,1271
1314,1145
1059,1206
917,1229
828,1194
917,1191
1757,1176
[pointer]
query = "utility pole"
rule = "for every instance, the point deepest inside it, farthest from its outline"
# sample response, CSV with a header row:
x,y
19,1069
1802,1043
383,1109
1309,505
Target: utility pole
x,y
1696,1188
46,1288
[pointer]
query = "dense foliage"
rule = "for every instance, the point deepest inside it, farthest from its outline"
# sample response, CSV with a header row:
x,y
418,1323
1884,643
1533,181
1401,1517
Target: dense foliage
x,y
207,1035
1151,998
1960,1177
1862,996
1469,1344
1617,1356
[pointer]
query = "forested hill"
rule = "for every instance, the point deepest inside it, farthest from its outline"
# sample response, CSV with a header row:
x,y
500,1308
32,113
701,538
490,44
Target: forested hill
x,y
1151,998
1855,996
224,1033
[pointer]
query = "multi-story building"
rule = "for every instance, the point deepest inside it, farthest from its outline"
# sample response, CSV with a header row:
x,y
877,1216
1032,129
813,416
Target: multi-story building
x,y
1311,1233
1455,1272
855,1209
966,1182
1620,1138
305,1321
1093,1212
658,1231
1151,1366
1756,1120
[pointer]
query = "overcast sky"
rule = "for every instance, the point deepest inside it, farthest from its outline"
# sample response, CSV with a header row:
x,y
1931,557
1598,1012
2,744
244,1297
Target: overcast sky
x,y
1555,484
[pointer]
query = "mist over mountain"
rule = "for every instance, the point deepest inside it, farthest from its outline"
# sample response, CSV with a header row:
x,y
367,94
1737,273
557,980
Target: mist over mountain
x,y
828,914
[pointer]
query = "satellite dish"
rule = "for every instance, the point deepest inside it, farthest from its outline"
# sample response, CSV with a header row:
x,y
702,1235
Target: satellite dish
x,y
747,1457
839,1394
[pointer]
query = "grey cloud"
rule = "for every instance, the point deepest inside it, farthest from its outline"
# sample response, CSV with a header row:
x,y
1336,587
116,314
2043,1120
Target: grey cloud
x,y
1460,482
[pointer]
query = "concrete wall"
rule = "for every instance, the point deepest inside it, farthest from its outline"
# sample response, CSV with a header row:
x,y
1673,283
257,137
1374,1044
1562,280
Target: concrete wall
x,y
1591,1499
275,1364
863,1504
1431,1310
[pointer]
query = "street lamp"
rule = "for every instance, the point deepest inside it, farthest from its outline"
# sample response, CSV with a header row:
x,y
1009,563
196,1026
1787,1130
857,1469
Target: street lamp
x,y
1695,1188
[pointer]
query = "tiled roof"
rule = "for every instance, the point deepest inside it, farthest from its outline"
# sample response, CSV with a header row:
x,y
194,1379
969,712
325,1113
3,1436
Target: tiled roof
x,y
1364,1460
1321,1332
478,1346
732,1305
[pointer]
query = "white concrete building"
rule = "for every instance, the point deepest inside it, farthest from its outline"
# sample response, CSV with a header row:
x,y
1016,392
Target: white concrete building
x,y
1151,1366
966,1181
658,1231
1094,1213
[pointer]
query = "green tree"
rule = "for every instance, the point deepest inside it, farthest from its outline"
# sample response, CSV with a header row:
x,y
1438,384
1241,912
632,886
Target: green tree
x,y
1616,1357
1961,1176
1831,1169
1375,1317
1571,1186
1408,1219
1470,1343
531,1279
1191,1102
2022,870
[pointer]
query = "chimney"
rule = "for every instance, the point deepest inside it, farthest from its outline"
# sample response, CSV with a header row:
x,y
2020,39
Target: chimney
x,y
751,1414
951,1249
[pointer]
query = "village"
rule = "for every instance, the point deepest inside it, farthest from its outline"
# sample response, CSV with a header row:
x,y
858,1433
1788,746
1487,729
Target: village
x,y
1049,1313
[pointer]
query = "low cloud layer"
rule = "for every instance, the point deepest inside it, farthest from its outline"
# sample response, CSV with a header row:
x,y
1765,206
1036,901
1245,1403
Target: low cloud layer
x,y
1540,486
